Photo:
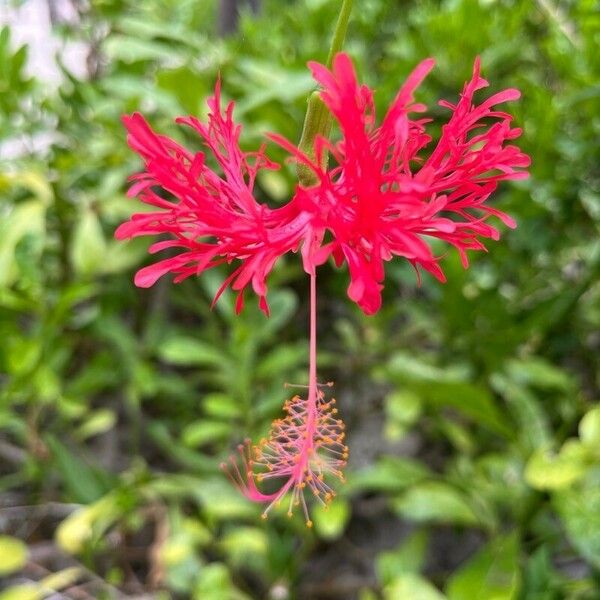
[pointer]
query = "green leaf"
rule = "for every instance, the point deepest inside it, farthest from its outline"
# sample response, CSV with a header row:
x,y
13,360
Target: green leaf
x,y
245,545
579,509
176,550
185,536
24,354
186,352
539,373
88,246
492,574
533,426
403,406
405,366
34,182
13,554
61,579
203,432
161,436
214,583
26,591
27,218
435,501
80,527
472,400
129,49
540,579
98,422
547,472
282,360
589,428
388,474
221,406
186,85
402,409
409,557
218,498
411,586
119,257
84,482
331,520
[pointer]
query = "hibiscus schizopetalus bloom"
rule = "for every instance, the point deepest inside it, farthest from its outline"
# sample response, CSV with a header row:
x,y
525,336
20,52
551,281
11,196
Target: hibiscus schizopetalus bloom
x,y
386,195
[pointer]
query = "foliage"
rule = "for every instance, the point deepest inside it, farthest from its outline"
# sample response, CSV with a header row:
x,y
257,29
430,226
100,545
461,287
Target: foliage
x,y
473,429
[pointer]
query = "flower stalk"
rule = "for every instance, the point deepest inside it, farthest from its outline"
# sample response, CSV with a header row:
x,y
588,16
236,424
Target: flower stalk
x,y
339,35
318,119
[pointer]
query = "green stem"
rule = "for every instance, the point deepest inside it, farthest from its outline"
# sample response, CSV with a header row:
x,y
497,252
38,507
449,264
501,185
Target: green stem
x,y
318,119
339,34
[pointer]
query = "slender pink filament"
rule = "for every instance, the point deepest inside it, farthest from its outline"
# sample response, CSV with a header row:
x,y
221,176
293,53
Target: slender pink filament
x,y
302,448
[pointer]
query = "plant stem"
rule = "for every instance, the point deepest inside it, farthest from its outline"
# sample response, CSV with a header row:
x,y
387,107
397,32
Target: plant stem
x,y
339,34
318,119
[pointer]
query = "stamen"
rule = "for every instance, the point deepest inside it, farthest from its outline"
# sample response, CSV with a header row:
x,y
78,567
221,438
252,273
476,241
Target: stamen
x,y
303,448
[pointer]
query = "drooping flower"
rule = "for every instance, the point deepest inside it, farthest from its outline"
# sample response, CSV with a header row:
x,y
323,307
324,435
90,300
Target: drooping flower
x,y
385,196
211,219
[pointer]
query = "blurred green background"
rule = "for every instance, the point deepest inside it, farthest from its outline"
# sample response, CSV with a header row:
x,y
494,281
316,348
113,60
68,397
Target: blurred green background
x,y
474,431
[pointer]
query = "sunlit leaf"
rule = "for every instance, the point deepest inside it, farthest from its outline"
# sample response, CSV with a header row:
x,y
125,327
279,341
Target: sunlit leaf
x,y
13,554
25,591
589,428
413,586
331,520
547,472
